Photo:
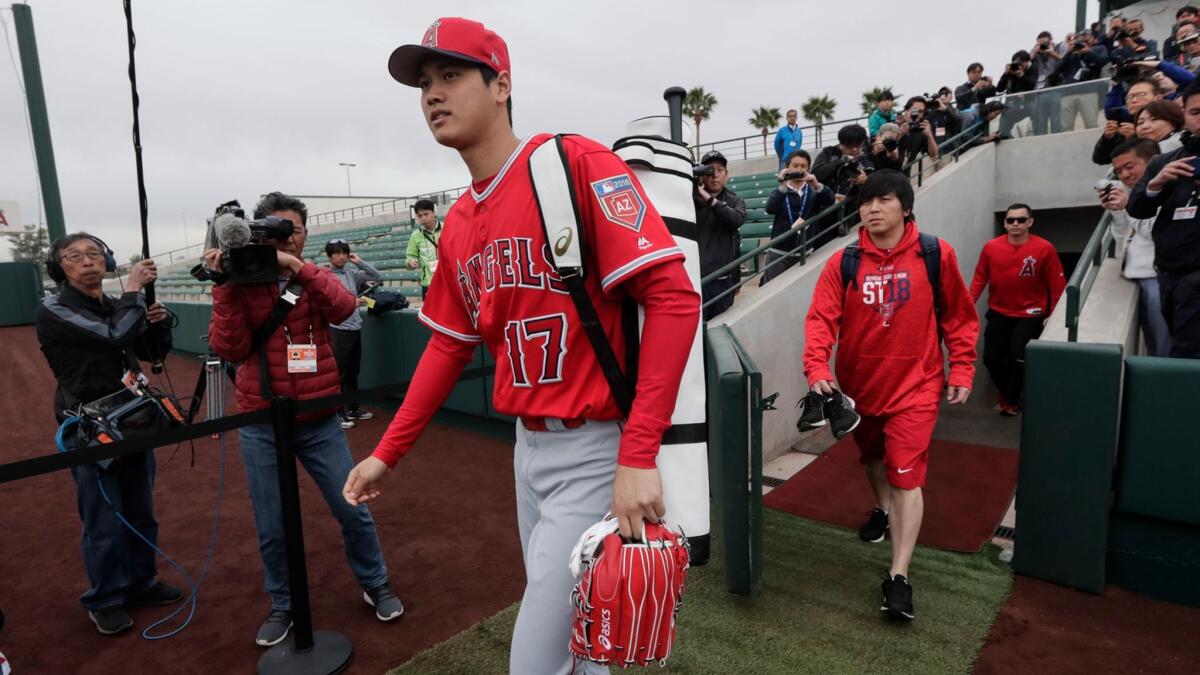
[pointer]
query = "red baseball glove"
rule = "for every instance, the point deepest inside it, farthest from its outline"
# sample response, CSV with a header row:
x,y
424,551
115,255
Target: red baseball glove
x,y
628,596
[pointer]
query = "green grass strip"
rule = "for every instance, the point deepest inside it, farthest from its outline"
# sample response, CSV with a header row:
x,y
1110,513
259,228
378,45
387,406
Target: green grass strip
x,y
818,613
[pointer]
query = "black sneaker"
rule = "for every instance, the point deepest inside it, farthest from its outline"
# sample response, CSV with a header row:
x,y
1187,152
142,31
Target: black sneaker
x,y
274,629
876,527
812,414
347,423
111,620
158,594
897,597
360,415
839,410
387,606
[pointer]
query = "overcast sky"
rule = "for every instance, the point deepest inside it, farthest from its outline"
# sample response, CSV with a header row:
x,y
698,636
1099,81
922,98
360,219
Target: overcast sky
x,y
241,97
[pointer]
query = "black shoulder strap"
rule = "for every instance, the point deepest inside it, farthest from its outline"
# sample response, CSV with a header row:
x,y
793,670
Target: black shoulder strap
x,y
931,252
554,193
288,299
850,258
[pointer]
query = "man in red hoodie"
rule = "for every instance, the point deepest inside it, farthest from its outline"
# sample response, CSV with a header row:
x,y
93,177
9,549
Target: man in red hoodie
x,y
888,327
1025,280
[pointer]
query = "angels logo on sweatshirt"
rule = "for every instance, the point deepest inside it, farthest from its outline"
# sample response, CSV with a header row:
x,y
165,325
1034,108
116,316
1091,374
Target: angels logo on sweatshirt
x,y
1027,267
886,293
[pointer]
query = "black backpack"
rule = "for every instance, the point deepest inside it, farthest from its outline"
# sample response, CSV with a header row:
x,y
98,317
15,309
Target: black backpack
x,y
931,253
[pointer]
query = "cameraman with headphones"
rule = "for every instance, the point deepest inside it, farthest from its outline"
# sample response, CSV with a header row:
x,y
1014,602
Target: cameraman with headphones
x,y
92,343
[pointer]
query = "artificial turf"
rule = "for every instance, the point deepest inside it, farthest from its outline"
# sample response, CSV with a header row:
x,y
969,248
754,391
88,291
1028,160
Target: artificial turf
x,y
818,612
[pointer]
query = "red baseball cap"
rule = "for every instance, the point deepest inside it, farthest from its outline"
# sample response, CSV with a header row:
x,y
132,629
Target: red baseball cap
x,y
454,37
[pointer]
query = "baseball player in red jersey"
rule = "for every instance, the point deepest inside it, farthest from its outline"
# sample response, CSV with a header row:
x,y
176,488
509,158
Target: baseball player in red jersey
x,y
1024,278
576,458
889,360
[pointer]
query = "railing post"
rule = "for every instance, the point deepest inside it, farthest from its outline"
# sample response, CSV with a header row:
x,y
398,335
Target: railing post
x,y
745,150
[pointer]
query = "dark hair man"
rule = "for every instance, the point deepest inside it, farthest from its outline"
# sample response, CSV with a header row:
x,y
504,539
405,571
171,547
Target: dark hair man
x,y
91,341
346,336
1166,193
1082,62
799,197
1024,280
1128,43
1046,114
1018,78
916,131
422,251
299,363
1135,240
1117,131
977,89
888,329
720,213
943,116
575,458
832,166
883,112
1185,14
789,138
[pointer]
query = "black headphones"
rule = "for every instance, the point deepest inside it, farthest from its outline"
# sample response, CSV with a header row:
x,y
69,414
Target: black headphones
x,y
54,265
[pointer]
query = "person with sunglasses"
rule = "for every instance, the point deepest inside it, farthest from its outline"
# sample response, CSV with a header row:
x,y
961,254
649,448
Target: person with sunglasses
x,y
1024,278
347,335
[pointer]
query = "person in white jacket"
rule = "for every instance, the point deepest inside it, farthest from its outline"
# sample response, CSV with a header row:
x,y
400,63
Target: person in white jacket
x,y
1133,239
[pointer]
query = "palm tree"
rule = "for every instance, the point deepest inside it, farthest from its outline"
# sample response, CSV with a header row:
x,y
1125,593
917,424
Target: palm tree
x,y
764,119
871,98
818,110
699,104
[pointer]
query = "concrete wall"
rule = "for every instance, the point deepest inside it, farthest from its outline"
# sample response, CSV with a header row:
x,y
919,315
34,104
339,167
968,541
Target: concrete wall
x,y
746,167
1048,172
1109,312
956,204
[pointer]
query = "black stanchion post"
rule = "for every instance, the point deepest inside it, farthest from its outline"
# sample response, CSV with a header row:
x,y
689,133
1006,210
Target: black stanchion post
x,y
305,652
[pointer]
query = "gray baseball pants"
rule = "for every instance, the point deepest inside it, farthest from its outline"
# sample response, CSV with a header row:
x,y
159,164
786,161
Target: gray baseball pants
x,y
564,486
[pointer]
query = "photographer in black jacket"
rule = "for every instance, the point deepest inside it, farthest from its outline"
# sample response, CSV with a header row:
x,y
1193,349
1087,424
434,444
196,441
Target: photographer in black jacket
x,y
1169,192
800,197
1018,77
92,341
719,215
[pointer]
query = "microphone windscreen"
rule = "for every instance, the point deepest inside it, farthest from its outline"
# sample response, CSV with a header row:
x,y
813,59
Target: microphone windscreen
x,y
232,232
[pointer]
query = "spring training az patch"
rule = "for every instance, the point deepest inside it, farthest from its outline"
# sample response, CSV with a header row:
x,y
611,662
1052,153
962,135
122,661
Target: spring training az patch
x,y
620,201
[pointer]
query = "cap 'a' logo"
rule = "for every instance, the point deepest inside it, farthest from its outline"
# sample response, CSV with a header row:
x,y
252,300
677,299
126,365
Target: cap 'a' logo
x,y
431,34
495,59
620,201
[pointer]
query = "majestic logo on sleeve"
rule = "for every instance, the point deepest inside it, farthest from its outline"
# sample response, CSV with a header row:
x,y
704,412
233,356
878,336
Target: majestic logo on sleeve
x,y
1027,267
431,35
620,201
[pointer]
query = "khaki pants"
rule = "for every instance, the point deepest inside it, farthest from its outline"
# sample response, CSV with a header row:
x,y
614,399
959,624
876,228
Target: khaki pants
x,y
1087,105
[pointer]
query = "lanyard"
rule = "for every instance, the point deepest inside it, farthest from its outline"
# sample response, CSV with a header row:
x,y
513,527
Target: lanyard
x,y
287,335
787,203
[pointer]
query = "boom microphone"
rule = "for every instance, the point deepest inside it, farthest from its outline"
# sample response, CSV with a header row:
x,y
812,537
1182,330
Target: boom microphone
x,y
232,232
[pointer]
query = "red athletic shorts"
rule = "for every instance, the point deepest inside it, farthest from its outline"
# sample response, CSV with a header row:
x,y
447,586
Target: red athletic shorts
x,y
901,440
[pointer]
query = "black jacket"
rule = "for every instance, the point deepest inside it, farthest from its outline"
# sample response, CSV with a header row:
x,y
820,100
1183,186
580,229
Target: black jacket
x,y
717,226
1080,67
1011,83
1176,242
84,341
966,95
1103,150
790,205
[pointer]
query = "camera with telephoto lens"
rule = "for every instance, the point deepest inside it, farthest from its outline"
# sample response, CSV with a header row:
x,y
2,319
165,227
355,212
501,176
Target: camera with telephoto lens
x,y
1128,71
890,144
843,171
1078,45
703,170
1190,37
247,254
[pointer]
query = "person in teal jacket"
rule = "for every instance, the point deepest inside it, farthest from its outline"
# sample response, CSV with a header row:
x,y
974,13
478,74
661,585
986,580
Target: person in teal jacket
x,y
883,113
789,138
422,251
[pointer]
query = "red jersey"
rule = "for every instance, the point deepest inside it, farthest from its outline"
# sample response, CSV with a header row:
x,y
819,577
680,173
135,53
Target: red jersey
x,y
495,285
1026,280
889,355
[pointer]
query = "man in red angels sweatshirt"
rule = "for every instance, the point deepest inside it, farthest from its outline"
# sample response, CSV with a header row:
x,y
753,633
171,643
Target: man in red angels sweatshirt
x,y
889,335
1025,280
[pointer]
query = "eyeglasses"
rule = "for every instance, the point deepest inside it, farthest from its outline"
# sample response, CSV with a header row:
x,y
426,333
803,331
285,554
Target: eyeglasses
x,y
1019,220
1135,95
338,241
78,256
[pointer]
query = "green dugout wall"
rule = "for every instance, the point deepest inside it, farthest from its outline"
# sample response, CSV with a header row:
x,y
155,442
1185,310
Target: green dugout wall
x,y
22,293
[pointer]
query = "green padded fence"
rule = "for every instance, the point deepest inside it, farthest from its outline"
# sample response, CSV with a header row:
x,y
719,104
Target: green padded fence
x,y
22,293
735,457
1068,444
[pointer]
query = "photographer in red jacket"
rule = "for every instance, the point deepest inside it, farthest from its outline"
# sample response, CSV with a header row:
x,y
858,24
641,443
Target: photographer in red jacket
x,y
888,326
300,365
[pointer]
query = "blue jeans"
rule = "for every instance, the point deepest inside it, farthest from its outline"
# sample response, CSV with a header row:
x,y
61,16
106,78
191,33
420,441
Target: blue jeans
x,y
322,450
1154,325
118,563
1047,113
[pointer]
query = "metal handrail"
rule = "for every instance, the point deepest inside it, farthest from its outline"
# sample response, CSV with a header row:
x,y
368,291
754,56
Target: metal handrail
x,y
975,131
1100,245
745,141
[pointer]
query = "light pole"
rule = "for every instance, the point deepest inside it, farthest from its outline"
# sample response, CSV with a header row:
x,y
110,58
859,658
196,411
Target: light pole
x,y
347,165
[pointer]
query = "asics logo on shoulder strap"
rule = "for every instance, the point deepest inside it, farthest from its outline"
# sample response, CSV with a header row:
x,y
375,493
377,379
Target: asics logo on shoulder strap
x,y
563,243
